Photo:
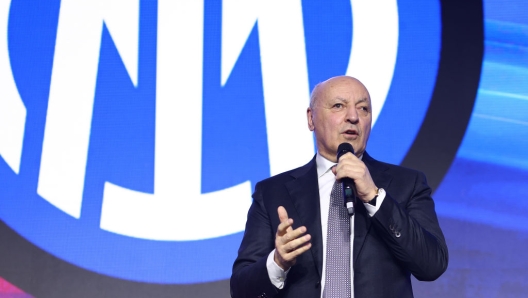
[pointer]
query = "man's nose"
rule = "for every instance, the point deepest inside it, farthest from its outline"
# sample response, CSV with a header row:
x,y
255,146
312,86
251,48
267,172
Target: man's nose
x,y
352,115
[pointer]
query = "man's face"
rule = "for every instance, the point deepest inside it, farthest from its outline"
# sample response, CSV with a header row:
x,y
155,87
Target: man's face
x,y
341,112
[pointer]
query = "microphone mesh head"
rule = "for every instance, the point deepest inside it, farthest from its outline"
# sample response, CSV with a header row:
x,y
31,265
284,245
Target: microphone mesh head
x,y
343,149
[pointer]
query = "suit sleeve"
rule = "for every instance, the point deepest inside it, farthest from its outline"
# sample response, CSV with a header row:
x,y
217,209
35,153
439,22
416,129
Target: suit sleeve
x,y
409,226
250,276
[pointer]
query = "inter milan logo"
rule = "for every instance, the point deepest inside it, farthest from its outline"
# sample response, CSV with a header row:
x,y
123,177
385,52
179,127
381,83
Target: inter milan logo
x,y
132,132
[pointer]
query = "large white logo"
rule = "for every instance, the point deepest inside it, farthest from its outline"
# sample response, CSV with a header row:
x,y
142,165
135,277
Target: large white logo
x,y
177,199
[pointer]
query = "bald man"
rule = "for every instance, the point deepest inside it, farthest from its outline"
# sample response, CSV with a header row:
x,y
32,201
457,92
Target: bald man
x,y
394,232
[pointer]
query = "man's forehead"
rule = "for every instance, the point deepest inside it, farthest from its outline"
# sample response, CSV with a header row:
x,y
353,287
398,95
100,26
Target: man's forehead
x,y
340,88
344,81
346,86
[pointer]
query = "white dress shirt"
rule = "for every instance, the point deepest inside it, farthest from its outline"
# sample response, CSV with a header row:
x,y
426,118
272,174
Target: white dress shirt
x,y
326,180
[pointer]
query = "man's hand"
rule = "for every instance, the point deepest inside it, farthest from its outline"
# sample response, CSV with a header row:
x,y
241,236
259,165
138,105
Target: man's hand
x,y
352,167
289,243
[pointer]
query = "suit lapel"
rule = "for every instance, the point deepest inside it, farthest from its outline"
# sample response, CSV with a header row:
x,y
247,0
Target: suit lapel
x,y
362,220
304,193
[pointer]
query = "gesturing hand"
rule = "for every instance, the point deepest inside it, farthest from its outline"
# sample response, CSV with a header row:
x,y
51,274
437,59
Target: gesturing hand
x,y
289,243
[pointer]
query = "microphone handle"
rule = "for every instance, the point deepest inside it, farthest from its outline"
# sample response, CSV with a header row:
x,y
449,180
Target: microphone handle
x,y
349,194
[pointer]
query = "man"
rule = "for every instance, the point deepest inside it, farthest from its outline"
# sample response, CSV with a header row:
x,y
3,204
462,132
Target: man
x,y
289,246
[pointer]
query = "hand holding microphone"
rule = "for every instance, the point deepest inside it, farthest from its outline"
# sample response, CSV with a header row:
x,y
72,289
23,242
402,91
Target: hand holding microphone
x,y
357,182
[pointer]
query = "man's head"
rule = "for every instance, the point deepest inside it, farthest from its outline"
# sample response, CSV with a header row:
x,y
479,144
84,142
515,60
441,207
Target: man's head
x,y
340,111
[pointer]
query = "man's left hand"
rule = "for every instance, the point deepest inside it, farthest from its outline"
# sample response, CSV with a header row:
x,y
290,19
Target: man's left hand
x,y
352,167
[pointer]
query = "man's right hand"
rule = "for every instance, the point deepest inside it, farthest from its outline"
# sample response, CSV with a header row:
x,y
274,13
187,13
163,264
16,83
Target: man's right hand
x,y
289,243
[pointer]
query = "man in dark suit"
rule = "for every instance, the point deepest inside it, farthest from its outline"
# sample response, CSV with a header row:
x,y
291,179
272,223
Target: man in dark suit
x,y
393,233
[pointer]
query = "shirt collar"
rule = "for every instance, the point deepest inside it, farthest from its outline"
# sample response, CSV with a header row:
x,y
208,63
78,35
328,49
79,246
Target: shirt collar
x,y
324,165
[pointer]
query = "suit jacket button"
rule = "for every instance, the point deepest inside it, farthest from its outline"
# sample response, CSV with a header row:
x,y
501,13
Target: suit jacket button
x,y
397,234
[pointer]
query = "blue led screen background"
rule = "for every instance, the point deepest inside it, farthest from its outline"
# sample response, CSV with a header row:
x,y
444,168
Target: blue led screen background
x,y
76,211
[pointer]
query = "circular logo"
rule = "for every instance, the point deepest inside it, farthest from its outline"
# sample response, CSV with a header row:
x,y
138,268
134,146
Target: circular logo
x,y
139,128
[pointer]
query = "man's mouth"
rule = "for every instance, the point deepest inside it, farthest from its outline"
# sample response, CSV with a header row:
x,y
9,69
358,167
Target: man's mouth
x,y
351,132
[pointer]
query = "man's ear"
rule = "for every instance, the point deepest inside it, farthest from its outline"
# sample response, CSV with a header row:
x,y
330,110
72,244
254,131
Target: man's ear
x,y
309,116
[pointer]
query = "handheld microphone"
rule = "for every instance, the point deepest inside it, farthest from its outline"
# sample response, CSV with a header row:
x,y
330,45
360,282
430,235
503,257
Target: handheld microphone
x,y
349,188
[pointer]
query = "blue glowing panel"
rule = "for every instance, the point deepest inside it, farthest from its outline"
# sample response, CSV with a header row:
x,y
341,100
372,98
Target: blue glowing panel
x,y
137,130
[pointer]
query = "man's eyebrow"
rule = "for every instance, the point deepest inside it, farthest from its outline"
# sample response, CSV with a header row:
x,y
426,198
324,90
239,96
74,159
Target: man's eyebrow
x,y
364,99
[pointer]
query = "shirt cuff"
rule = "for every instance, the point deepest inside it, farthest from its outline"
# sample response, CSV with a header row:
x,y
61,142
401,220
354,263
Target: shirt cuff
x,y
371,210
276,274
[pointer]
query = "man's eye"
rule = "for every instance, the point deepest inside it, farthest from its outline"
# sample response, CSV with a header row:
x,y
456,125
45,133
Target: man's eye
x,y
338,105
364,110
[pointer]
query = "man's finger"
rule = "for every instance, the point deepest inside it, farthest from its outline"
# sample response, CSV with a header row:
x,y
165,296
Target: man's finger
x,y
285,227
296,243
291,250
283,215
292,235
297,252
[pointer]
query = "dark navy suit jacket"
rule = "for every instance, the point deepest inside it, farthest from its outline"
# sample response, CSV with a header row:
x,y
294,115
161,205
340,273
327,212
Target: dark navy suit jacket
x,y
402,238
